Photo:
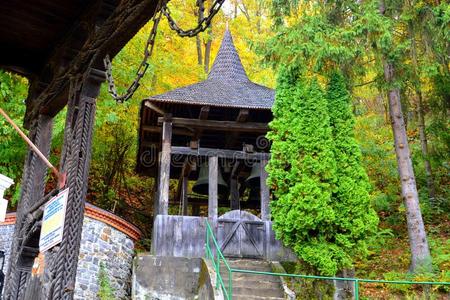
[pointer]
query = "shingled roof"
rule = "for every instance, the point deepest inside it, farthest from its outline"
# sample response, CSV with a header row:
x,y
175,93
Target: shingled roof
x,y
227,84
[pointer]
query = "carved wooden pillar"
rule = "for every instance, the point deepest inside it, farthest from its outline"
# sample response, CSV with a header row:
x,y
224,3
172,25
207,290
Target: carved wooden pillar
x,y
62,267
213,164
164,167
33,185
264,192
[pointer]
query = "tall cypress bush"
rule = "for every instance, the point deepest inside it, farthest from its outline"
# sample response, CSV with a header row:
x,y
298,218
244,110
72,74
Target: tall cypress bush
x,y
355,218
321,203
302,171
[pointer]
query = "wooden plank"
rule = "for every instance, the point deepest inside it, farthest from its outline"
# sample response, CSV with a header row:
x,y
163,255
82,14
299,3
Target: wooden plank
x,y
221,153
264,191
164,174
175,131
219,125
154,107
213,164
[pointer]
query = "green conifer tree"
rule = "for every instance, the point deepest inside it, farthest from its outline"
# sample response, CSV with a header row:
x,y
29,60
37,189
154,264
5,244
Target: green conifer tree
x,y
302,172
355,219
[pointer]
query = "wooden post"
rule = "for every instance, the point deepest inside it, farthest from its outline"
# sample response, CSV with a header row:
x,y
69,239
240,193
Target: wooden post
x,y
184,198
234,194
164,167
156,183
195,209
62,260
33,186
264,192
213,163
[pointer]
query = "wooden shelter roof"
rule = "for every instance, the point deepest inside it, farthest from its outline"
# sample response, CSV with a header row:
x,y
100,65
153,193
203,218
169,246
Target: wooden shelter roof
x,y
225,111
227,85
50,42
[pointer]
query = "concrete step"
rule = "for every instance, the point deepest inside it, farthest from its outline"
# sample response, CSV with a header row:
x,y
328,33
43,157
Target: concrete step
x,y
258,291
253,286
247,297
247,282
249,277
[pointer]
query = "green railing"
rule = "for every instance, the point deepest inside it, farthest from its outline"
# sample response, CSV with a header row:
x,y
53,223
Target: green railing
x,y
215,254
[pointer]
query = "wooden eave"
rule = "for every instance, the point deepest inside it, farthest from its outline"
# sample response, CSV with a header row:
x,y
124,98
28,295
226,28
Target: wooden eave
x,y
50,42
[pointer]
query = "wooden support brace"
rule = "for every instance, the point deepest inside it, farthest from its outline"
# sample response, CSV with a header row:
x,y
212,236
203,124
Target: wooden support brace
x,y
213,164
164,171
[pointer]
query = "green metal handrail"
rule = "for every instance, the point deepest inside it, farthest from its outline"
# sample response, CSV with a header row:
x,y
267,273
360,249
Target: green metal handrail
x,y
228,293
216,262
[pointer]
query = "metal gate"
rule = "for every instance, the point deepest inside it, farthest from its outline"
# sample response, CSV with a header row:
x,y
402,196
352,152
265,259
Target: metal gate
x,y
241,234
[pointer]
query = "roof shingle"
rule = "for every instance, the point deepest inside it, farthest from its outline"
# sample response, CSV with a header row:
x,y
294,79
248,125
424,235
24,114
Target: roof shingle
x,y
227,84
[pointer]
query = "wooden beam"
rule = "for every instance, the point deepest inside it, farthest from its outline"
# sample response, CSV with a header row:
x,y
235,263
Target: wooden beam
x,y
232,138
221,153
154,107
175,131
195,202
219,125
213,164
243,115
164,172
203,115
204,112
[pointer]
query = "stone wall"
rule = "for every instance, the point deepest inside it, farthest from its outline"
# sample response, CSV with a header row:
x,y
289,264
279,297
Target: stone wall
x,y
103,245
106,240
6,233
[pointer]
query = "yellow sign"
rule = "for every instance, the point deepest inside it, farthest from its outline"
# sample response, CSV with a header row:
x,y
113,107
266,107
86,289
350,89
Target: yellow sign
x,y
53,221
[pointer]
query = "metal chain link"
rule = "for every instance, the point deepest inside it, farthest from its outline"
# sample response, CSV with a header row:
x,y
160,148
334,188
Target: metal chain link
x,y
162,8
202,25
142,67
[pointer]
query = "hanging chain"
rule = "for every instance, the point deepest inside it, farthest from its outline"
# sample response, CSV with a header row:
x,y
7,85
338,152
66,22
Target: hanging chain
x,y
202,25
142,67
162,8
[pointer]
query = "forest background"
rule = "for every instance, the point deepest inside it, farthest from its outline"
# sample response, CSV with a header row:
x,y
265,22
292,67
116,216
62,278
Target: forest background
x,y
114,185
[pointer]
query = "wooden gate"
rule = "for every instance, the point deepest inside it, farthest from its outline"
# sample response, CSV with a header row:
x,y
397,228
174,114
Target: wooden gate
x,y
241,234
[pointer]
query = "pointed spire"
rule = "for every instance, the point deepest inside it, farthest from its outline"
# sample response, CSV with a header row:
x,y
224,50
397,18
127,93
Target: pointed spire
x,y
228,65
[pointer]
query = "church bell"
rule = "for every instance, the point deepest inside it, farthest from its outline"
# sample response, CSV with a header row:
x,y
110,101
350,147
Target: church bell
x,y
253,181
201,186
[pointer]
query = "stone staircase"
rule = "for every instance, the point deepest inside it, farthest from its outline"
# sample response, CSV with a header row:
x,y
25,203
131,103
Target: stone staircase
x,y
252,286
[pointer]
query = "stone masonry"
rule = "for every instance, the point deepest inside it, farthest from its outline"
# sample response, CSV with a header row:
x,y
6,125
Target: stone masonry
x,y
106,240
6,234
102,244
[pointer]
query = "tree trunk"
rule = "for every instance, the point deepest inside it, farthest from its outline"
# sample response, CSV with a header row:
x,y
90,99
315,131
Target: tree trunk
x,y
420,252
424,146
208,44
199,50
208,50
258,16
197,37
421,118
